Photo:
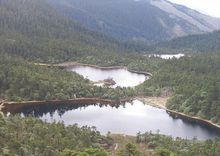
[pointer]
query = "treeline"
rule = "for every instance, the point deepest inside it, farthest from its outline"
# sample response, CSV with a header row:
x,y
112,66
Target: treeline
x,y
194,82
134,61
20,80
167,146
30,136
203,43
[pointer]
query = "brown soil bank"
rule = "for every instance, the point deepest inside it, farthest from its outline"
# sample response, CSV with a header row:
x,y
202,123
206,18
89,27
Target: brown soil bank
x,y
73,64
14,106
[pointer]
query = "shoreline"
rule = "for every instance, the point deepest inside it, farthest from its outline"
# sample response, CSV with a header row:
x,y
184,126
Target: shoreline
x,y
73,64
193,118
156,102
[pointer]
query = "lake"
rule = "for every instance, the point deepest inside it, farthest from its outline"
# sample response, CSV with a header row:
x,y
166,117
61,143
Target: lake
x,y
122,77
129,118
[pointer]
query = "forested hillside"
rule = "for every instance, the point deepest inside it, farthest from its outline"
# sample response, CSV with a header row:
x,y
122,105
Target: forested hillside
x,y
34,30
148,21
205,43
194,82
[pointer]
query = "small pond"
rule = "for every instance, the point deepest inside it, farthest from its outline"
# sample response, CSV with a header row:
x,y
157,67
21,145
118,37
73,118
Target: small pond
x,y
122,77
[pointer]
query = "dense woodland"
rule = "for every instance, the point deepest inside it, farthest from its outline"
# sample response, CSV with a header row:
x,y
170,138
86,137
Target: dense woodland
x,y
203,43
32,31
21,81
31,136
167,146
194,82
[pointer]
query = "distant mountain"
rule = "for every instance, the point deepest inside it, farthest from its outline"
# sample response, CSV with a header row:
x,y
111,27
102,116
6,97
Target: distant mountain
x,y
137,20
203,43
35,30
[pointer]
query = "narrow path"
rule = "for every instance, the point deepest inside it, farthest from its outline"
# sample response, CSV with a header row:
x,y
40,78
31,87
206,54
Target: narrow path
x,y
114,149
116,146
1,106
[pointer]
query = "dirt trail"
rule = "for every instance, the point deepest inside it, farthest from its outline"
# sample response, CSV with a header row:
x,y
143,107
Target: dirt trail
x,y
116,146
114,150
1,107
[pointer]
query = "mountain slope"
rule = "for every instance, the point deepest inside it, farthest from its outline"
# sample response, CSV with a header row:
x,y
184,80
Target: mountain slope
x,y
137,20
33,29
204,43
